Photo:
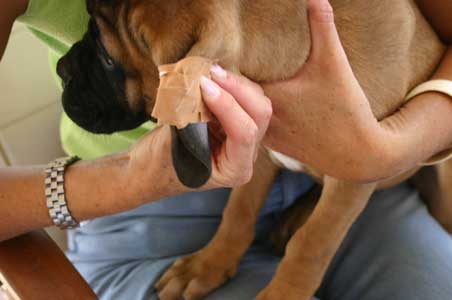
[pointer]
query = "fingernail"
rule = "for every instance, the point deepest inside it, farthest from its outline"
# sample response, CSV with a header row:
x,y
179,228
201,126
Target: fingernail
x,y
218,72
209,87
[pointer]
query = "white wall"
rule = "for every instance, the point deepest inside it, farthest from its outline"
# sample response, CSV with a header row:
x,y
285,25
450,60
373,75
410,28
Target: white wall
x,y
29,105
29,102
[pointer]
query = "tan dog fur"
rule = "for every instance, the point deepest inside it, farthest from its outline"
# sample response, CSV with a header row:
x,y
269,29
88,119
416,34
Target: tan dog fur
x,y
391,48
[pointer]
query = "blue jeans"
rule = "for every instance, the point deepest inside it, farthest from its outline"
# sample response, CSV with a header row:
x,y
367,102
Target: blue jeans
x,y
395,250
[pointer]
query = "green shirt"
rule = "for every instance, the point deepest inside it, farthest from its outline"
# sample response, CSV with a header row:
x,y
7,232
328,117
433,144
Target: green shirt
x,y
59,24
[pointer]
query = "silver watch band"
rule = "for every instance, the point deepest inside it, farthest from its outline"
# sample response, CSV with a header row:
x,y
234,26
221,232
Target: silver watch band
x,y
55,194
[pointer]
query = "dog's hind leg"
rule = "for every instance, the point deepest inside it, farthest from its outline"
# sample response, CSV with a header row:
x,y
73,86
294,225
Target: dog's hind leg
x,y
197,275
441,209
312,248
294,218
435,186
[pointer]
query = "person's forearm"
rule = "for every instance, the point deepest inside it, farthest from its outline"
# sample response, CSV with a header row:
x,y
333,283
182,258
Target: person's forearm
x,y
325,114
93,189
422,128
145,172
399,143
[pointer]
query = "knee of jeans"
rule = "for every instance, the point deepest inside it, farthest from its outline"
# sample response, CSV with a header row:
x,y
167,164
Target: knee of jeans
x,y
124,279
399,225
395,248
391,211
395,226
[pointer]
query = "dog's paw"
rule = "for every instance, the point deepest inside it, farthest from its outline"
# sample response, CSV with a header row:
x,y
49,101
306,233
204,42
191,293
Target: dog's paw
x,y
195,276
281,290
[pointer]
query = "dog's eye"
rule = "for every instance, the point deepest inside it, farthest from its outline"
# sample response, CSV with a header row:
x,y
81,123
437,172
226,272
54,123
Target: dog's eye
x,y
106,60
108,63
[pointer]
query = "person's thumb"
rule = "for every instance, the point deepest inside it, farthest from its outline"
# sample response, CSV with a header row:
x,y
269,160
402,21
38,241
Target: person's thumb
x,y
324,37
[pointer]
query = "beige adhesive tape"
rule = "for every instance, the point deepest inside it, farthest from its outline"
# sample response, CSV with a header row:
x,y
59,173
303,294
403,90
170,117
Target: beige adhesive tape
x,y
179,100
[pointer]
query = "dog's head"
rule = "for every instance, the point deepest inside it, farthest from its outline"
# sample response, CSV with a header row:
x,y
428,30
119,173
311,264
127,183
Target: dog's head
x,y
110,77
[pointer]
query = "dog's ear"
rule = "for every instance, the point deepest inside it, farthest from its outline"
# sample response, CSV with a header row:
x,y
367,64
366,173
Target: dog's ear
x,y
93,5
191,154
90,6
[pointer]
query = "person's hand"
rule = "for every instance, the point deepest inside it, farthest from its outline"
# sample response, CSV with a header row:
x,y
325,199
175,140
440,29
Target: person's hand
x,y
243,114
321,115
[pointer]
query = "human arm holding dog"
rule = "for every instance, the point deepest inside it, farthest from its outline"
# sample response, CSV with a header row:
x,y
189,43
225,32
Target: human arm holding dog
x,y
357,146
337,162
142,174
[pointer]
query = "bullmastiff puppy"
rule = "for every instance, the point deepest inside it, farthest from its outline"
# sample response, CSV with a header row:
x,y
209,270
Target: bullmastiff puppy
x,y
111,79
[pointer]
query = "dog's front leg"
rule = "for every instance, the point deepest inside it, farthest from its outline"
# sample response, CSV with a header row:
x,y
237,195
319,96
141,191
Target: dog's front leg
x,y
197,275
312,248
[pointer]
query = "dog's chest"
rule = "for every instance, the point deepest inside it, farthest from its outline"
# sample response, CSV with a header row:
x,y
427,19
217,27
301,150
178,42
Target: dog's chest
x,y
285,161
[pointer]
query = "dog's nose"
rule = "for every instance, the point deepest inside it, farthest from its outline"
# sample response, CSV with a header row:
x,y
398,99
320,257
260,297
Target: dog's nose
x,y
63,70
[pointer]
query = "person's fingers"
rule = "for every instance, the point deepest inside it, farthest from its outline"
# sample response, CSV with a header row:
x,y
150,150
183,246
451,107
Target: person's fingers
x,y
235,121
324,36
241,130
248,94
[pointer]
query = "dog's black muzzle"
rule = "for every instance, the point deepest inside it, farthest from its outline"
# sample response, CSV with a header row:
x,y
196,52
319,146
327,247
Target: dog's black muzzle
x,y
94,98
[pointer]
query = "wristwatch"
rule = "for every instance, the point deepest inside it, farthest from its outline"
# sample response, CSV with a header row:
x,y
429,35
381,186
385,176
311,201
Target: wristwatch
x,y
55,194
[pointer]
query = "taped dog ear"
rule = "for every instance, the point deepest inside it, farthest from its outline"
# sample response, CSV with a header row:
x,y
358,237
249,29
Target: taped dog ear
x,y
192,154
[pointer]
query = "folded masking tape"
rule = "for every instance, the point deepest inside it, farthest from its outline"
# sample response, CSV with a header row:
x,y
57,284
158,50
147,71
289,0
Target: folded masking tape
x,y
179,99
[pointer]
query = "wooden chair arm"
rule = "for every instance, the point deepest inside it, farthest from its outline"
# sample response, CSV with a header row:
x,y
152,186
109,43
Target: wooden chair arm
x,y
33,267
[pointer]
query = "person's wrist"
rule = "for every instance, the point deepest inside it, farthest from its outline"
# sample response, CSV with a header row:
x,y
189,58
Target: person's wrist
x,y
424,118
96,188
382,159
371,149
149,173
369,157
